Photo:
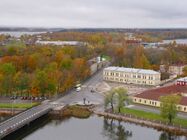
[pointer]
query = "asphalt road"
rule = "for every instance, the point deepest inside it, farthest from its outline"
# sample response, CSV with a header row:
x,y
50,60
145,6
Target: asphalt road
x,y
23,118
85,92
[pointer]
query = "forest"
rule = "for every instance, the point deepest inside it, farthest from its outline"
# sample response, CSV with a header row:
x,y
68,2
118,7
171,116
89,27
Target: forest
x,y
43,70
40,71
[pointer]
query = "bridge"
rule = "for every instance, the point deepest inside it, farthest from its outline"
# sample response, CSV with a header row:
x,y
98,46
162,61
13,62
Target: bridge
x,y
14,123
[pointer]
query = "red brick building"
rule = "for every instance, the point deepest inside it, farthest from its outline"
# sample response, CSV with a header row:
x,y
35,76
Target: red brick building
x,y
152,97
182,81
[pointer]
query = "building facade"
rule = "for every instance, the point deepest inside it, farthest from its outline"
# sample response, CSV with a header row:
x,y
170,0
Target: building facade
x,y
131,76
176,69
182,81
152,97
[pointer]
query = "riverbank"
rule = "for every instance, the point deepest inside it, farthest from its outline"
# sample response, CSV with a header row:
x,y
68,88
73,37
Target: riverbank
x,y
12,109
153,116
148,119
77,111
178,130
17,105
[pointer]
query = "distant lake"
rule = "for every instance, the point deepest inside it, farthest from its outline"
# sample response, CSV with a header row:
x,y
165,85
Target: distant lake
x,y
178,41
18,34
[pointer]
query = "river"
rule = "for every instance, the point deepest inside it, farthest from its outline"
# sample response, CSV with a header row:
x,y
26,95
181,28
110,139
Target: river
x,y
178,41
92,128
18,34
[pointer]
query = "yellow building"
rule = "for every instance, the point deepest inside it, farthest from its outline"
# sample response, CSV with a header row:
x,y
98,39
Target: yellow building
x,y
131,76
151,97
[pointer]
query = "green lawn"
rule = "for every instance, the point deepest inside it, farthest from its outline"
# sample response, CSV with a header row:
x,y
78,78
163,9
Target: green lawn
x,y
153,116
106,57
17,105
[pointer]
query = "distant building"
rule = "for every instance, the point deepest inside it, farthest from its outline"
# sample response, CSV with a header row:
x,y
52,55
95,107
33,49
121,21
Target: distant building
x,y
131,76
152,97
176,69
130,39
96,64
163,68
61,43
182,81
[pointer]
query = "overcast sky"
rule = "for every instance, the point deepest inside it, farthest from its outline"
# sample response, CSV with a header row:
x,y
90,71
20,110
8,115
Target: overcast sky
x,y
94,13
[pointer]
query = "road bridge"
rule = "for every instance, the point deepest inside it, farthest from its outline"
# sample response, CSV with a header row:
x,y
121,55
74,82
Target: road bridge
x,y
16,122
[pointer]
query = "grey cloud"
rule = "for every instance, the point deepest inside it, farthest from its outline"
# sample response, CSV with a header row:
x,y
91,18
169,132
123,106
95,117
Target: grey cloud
x,y
93,13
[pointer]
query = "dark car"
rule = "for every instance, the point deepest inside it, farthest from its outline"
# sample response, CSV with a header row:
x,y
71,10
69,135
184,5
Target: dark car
x,y
92,90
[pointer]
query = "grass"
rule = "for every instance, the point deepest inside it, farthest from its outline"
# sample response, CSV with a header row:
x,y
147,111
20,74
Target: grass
x,y
77,111
153,116
106,57
17,105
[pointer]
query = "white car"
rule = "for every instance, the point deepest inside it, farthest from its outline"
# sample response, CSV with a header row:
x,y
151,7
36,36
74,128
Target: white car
x,y
78,89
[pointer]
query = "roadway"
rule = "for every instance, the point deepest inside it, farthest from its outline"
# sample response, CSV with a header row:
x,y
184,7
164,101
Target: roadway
x,y
23,118
73,96
85,92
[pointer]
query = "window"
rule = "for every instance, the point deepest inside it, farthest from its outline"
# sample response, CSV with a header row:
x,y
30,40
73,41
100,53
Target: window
x,y
140,100
134,76
185,109
145,101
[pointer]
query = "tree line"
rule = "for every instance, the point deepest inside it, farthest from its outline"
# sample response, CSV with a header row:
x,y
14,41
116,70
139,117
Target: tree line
x,y
40,71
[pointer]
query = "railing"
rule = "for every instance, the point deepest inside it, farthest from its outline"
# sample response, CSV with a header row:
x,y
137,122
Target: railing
x,y
23,121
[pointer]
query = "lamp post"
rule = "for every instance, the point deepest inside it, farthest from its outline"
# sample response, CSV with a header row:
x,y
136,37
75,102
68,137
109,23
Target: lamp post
x,y
13,101
12,106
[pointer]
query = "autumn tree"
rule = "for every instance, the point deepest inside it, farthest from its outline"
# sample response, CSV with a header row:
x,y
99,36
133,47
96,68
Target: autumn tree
x,y
185,71
41,82
22,82
168,106
109,99
7,72
140,60
145,62
122,97
80,68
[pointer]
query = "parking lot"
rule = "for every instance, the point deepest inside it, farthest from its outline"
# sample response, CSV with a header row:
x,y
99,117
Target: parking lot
x,y
23,99
132,89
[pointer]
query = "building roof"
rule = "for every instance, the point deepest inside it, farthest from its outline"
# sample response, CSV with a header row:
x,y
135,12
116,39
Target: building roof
x,y
155,94
184,79
72,43
132,70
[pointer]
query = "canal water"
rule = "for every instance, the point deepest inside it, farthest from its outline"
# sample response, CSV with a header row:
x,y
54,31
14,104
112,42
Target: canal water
x,y
92,128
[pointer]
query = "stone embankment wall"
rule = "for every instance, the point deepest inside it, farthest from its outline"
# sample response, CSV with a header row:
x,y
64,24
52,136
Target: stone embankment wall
x,y
178,130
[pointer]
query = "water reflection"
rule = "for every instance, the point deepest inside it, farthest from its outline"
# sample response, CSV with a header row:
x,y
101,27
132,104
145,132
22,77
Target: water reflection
x,y
169,136
115,131
92,128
